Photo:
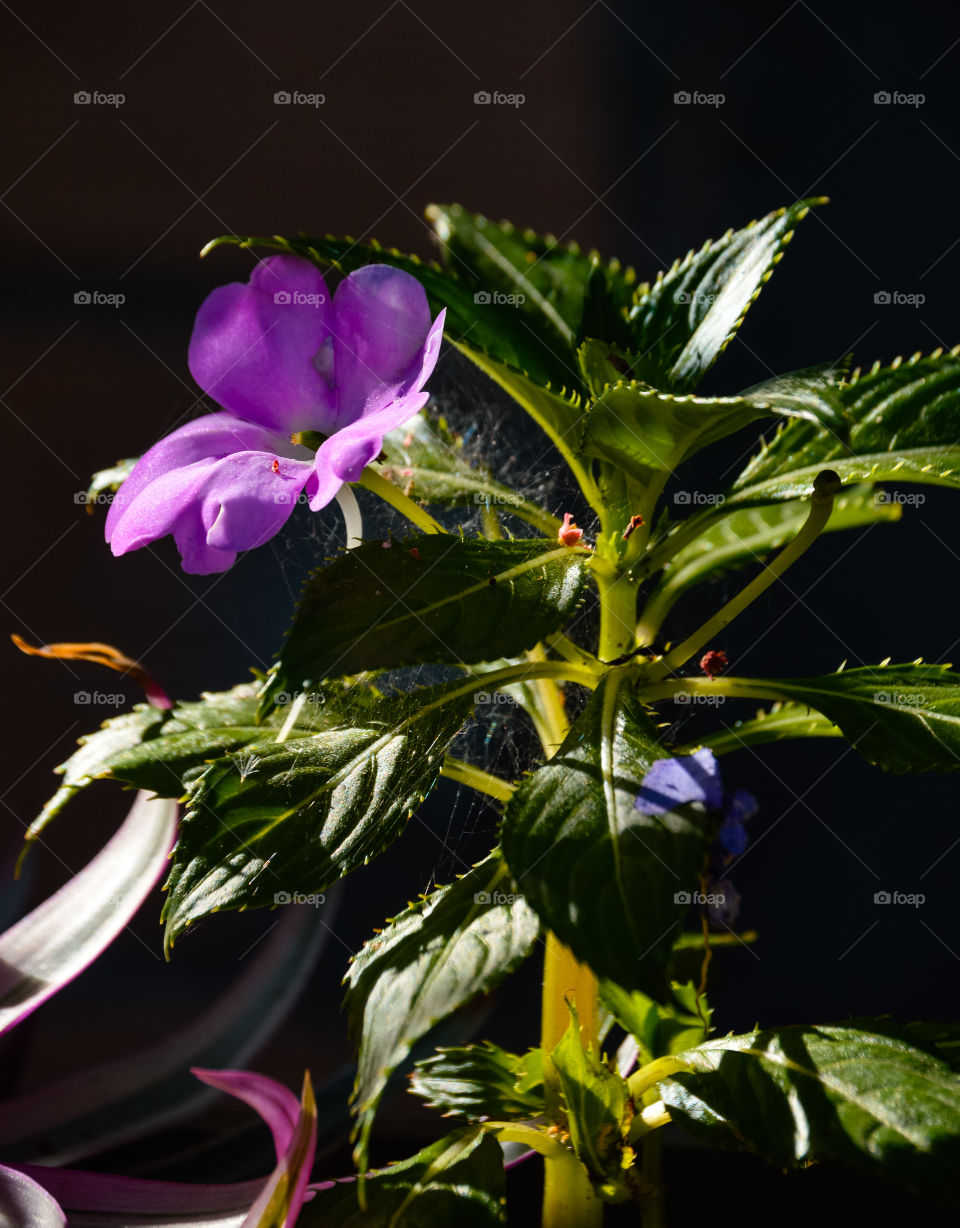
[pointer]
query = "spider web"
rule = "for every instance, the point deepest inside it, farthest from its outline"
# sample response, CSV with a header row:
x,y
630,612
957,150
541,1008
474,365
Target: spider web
x,y
493,434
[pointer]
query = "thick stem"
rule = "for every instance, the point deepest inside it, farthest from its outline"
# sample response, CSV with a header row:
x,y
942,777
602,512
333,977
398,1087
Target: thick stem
x,y
373,481
569,1200
653,1214
618,611
821,505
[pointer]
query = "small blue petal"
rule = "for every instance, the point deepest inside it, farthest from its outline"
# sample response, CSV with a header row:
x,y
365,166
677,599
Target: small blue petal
x,y
724,908
676,782
732,836
740,805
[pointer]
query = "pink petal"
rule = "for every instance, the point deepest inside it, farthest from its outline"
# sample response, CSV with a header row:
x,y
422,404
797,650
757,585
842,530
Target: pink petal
x,y
253,345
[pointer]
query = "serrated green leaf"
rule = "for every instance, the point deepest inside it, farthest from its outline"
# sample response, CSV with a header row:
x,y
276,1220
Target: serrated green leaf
x,y
775,724
601,874
429,598
547,277
425,460
684,321
481,1082
457,1180
661,1029
649,433
800,1094
599,1110
287,818
429,961
904,424
904,718
164,751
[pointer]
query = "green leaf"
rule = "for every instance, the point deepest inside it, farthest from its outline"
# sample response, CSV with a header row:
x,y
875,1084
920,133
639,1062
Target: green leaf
x,y
431,959
457,1180
801,1094
602,875
546,277
904,425
164,751
648,432
904,718
599,1111
91,761
747,535
689,315
428,598
661,1029
482,1081
286,818
425,460
107,481
774,724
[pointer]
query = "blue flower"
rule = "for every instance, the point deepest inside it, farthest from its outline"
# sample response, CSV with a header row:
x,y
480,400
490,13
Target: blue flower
x,y
695,779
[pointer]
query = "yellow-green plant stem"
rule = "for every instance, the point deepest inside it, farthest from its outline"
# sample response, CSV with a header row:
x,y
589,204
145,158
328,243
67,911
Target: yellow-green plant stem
x,y
569,1200
821,505
618,610
477,778
373,481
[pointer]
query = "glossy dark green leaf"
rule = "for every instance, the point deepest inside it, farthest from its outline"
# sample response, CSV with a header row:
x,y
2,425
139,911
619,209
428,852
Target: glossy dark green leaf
x,y
598,1108
602,875
799,1094
433,958
649,433
164,751
457,1180
904,424
905,718
426,461
430,598
286,818
482,1081
687,317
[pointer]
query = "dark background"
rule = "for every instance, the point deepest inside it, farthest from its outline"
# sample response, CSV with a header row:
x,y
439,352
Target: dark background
x,y
119,199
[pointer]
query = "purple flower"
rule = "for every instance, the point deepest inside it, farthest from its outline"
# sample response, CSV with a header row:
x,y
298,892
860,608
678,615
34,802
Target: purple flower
x,y
696,778
281,356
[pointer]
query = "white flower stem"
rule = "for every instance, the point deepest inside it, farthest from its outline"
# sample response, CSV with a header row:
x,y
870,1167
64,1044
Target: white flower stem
x,y
352,519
